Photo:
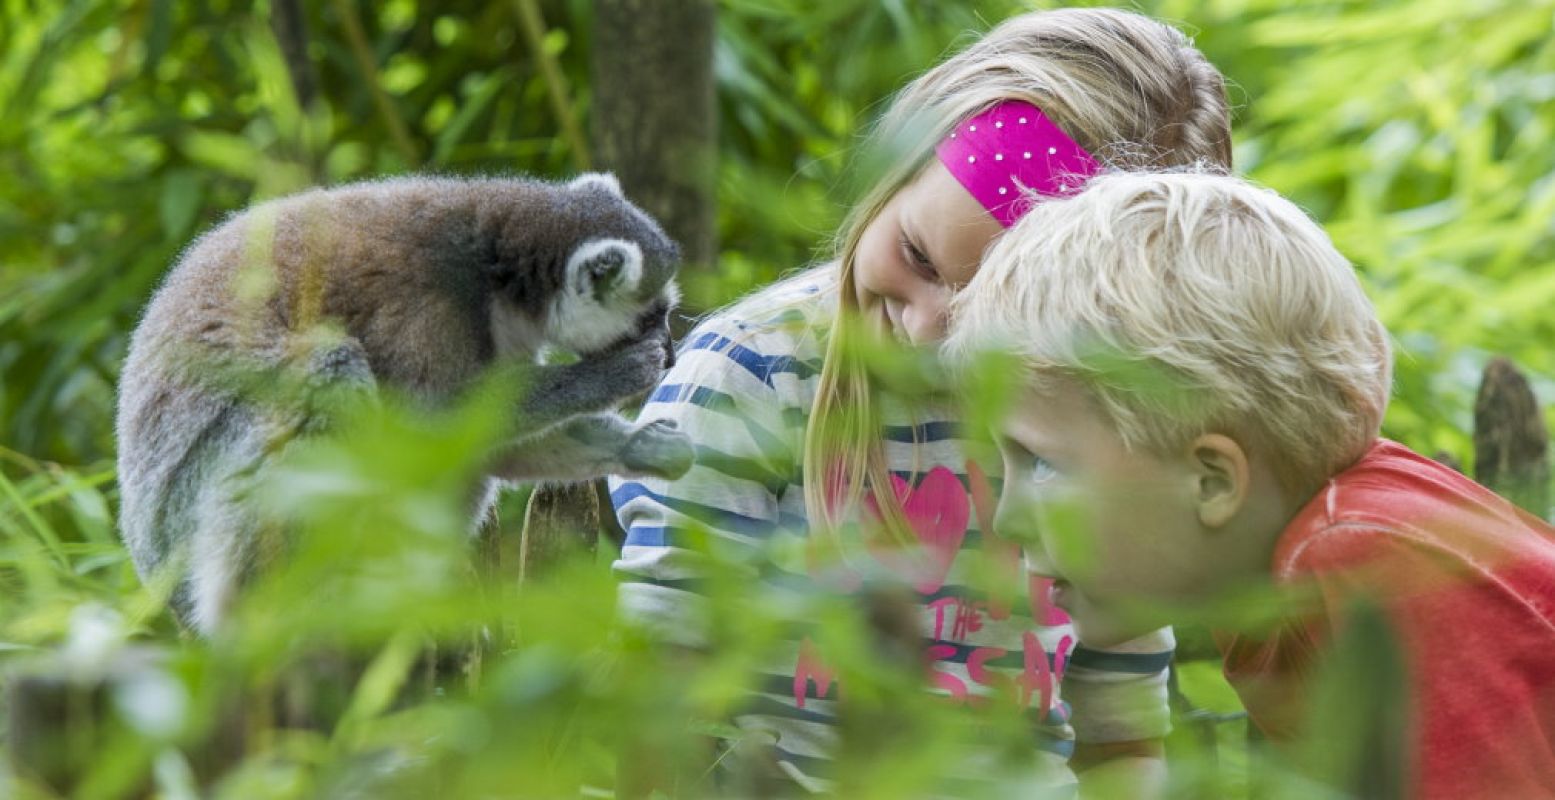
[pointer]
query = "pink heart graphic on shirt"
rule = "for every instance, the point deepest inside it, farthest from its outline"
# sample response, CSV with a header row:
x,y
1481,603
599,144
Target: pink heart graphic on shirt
x,y
938,512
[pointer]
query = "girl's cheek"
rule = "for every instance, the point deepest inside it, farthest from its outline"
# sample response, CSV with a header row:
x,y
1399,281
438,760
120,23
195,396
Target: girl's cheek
x,y
865,298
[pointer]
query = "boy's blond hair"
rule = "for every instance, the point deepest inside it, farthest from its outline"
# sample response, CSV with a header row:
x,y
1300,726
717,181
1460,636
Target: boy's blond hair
x,y
1187,303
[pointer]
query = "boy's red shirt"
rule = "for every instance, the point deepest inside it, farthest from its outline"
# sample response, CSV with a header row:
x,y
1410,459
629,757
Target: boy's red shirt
x,y
1467,582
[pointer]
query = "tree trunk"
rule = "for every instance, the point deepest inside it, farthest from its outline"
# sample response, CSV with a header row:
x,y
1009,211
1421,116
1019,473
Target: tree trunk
x,y
653,119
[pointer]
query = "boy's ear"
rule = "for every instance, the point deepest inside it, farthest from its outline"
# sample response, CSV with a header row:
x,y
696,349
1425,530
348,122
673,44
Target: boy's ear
x,y
1221,476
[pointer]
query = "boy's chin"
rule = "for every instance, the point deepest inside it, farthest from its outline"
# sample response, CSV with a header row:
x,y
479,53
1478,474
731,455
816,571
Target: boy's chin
x,y
1099,627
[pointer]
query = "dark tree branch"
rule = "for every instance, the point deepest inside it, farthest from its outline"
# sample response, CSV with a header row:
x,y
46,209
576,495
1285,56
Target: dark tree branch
x,y
1511,443
291,33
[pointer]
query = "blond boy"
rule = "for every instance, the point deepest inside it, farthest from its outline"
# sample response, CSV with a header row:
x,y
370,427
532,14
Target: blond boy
x,y
1202,384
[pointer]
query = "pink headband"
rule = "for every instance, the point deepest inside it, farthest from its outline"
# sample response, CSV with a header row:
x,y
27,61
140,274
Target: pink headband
x,y
1009,150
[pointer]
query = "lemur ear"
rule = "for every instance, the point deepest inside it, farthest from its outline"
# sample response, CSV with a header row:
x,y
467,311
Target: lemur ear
x,y
605,267
602,180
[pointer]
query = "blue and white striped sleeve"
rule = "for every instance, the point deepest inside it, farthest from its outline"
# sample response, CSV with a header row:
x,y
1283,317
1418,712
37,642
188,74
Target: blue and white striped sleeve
x,y
721,393
1118,693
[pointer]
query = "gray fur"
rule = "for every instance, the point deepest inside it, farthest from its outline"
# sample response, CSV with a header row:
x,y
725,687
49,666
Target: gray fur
x,y
416,284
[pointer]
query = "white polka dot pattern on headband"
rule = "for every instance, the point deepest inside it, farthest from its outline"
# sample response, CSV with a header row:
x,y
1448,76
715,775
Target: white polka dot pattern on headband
x,y
993,155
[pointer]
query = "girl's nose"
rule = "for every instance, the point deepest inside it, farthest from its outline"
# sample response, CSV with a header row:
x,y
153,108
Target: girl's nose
x,y
893,316
923,325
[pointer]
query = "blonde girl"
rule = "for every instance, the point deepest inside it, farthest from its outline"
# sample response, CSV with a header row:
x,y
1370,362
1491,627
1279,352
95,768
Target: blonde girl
x,y
794,438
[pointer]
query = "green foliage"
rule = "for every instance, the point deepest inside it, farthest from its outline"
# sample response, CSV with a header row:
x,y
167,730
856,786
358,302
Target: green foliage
x,y
1415,130
378,576
1417,133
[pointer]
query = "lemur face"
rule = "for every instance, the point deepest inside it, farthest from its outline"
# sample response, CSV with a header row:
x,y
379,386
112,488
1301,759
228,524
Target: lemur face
x,y
619,280
609,294
588,272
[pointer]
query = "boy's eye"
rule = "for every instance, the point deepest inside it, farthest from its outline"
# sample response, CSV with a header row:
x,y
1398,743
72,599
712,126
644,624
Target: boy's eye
x,y
1040,470
919,261
1034,468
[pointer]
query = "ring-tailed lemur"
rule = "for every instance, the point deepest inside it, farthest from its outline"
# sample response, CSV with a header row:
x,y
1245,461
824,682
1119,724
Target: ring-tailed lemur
x,y
418,284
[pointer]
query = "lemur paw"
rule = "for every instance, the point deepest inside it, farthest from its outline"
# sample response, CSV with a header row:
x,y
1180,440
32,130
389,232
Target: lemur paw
x,y
642,362
658,450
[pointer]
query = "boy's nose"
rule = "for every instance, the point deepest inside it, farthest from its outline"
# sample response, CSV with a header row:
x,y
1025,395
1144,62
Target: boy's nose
x,y
1037,562
1013,524
1012,518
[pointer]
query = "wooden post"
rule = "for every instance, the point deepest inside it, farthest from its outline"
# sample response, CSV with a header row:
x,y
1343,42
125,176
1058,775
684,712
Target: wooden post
x,y
558,520
53,727
60,718
1511,442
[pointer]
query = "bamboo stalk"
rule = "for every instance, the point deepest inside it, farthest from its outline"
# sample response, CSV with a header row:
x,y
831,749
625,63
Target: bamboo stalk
x,y
357,37
555,82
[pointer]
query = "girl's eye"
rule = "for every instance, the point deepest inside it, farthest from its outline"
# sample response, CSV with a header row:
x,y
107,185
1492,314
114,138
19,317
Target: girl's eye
x,y
918,260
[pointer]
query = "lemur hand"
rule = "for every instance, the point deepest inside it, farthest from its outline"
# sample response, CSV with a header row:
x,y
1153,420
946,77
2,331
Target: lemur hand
x,y
599,381
659,450
636,365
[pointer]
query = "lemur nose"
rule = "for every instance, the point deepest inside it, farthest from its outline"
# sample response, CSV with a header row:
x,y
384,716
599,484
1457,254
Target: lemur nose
x,y
660,318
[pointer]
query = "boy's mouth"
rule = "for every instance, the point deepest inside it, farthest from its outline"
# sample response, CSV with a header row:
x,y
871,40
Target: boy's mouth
x,y
1061,593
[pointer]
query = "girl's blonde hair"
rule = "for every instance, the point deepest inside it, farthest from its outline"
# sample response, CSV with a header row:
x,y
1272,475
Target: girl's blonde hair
x,y
1187,303
1132,91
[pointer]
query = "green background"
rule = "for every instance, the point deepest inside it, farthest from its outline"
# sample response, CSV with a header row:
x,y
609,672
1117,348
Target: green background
x,y
1417,131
